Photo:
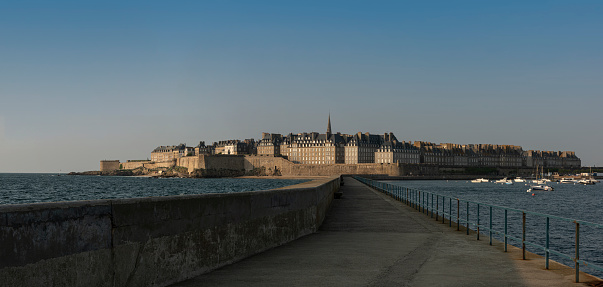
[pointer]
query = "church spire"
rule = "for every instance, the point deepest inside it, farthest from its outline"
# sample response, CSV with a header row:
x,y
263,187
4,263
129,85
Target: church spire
x,y
329,126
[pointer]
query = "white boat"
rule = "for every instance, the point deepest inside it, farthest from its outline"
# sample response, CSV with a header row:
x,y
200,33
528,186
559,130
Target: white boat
x,y
587,181
480,180
568,181
519,179
504,181
540,188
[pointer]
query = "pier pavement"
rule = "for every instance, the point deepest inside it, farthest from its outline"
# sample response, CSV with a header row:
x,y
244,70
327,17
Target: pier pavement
x,y
369,239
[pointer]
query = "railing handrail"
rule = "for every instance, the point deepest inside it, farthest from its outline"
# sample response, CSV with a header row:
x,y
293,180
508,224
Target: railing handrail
x,y
420,200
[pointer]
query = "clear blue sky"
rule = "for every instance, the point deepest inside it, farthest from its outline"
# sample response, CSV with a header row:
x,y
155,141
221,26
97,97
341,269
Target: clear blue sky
x,y
82,81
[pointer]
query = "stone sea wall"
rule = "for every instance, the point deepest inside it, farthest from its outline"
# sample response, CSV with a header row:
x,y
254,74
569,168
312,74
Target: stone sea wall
x,y
279,166
152,241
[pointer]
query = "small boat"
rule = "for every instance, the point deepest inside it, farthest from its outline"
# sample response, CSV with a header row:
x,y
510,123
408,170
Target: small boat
x,y
504,181
540,187
587,181
519,179
568,181
480,180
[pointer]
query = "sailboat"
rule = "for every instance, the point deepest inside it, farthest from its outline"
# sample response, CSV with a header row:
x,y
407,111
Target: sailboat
x,y
540,183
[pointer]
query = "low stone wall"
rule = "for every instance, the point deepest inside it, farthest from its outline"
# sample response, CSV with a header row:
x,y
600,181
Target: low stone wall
x,y
151,241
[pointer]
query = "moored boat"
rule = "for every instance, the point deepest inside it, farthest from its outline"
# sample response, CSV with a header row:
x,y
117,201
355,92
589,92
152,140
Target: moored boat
x,y
519,179
540,188
504,181
587,181
568,181
479,180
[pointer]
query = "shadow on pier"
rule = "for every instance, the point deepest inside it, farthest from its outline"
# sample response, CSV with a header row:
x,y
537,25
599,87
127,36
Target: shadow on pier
x,y
368,239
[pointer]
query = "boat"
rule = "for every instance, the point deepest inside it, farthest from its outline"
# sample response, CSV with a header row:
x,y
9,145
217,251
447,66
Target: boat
x,y
540,188
519,179
587,181
504,181
568,181
540,180
480,180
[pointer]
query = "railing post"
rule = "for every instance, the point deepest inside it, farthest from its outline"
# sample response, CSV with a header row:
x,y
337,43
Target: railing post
x,y
443,209
505,230
577,264
450,212
477,221
437,207
458,215
490,225
423,202
546,250
523,235
431,206
467,217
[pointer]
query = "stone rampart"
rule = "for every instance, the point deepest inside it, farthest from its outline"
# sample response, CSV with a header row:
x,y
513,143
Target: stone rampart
x,y
151,241
109,165
133,164
232,162
288,168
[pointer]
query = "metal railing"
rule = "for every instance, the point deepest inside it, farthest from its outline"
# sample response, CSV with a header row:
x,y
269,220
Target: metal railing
x,y
434,204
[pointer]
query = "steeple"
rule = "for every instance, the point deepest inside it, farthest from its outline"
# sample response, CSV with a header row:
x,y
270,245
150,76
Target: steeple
x,y
329,126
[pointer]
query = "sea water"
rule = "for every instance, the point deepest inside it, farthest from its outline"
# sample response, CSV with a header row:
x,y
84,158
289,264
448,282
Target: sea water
x,y
31,188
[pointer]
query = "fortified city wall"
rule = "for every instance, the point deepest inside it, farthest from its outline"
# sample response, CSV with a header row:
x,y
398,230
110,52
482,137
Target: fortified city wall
x,y
287,168
147,164
109,165
153,241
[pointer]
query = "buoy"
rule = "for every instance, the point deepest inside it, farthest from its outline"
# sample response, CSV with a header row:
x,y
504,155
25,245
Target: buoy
x,y
532,194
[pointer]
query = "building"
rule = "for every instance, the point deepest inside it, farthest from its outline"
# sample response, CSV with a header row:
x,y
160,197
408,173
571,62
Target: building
x,y
361,148
270,144
397,152
202,149
315,148
235,147
167,153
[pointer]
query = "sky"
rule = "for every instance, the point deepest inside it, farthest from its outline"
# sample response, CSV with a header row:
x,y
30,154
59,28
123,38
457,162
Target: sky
x,y
84,81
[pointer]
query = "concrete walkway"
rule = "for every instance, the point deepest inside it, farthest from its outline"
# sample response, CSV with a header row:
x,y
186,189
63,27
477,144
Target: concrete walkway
x,y
369,239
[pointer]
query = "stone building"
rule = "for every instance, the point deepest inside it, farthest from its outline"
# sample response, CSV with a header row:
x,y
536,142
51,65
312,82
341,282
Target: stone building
x,y
315,148
270,144
166,153
202,149
551,159
397,152
235,147
361,148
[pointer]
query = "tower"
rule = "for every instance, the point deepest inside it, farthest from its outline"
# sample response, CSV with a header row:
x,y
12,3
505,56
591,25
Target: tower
x,y
329,126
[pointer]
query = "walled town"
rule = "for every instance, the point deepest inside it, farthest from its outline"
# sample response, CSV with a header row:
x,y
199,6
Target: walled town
x,y
332,153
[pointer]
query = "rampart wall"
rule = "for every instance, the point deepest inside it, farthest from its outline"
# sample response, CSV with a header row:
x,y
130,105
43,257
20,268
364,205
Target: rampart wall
x,y
109,165
153,241
287,168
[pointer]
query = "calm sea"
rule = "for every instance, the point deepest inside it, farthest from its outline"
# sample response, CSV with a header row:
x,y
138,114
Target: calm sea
x,y
582,202
29,188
